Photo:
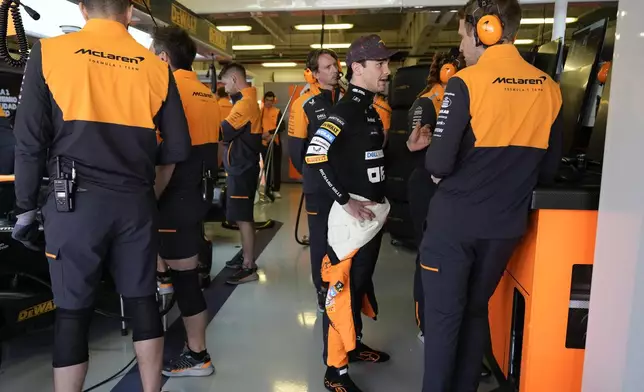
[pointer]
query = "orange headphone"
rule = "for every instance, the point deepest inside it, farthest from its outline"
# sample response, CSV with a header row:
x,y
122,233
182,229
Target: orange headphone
x,y
447,71
489,27
450,66
602,75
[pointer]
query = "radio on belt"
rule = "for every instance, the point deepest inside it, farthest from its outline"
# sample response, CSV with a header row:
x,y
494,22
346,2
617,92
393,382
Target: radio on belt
x,y
64,189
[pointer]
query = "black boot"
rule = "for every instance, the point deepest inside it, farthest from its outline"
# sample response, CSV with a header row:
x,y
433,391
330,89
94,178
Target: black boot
x,y
338,380
364,353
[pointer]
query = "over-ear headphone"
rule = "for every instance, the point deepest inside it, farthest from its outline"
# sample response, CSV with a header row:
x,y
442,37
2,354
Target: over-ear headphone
x,y
450,66
447,71
602,75
489,27
308,76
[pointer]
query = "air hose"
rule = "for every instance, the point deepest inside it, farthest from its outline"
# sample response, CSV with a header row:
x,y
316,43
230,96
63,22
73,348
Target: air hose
x,y
23,45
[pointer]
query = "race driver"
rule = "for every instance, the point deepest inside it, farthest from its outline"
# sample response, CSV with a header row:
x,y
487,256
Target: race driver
x,y
348,160
242,136
501,133
90,104
182,207
308,112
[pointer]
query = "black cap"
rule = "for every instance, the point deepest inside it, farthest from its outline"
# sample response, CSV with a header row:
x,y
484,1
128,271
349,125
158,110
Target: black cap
x,y
368,47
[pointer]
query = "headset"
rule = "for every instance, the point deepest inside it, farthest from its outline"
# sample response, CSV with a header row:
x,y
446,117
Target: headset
x,y
489,27
602,75
450,66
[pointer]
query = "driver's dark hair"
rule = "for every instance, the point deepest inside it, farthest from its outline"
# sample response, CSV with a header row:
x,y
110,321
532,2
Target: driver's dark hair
x,y
349,74
313,58
107,7
176,42
233,67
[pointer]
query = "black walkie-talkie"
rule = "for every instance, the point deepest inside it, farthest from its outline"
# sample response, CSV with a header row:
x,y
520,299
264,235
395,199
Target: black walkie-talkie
x,y
64,189
207,184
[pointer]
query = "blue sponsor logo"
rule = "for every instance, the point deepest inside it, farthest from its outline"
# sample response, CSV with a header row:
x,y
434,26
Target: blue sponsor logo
x,y
326,135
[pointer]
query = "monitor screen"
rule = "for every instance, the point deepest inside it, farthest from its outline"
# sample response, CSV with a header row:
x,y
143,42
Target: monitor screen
x,y
549,58
577,76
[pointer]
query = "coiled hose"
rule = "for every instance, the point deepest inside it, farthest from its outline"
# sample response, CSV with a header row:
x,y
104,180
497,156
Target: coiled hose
x,y
23,45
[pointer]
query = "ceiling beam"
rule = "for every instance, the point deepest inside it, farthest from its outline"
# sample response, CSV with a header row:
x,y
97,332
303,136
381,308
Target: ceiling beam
x,y
424,43
271,26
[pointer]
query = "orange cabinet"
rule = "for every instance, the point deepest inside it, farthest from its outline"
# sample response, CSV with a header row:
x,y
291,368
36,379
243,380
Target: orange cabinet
x,y
534,313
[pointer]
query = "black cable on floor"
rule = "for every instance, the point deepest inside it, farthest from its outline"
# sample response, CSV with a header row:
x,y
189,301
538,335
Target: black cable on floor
x,y
111,378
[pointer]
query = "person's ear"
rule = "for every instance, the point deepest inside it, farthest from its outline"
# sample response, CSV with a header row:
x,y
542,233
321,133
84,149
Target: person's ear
x,y
163,56
83,11
128,14
357,68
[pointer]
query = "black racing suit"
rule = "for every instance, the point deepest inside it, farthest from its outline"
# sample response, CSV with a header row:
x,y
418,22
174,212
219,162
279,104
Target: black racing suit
x,y
347,158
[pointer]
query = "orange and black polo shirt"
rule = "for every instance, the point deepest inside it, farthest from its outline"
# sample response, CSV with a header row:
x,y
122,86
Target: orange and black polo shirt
x,y
225,106
498,131
242,132
96,97
270,119
204,122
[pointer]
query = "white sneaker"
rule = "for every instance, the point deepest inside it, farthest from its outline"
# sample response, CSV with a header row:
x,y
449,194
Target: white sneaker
x,y
277,195
421,337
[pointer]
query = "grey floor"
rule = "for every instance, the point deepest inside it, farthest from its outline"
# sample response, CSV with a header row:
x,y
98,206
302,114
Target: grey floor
x,y
267,335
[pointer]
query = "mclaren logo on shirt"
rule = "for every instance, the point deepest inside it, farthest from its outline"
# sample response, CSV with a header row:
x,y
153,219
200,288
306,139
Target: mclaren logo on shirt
x,y
501,80
110,56
200,94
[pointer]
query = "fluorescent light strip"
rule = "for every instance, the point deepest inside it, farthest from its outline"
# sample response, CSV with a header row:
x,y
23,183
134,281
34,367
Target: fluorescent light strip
x,y
331,46
523,41
279,65
539,21
327,26
228,29
253,47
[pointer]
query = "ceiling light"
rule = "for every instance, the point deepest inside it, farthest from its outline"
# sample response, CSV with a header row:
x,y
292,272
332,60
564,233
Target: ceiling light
x,y
327,26
331,46
435,12
523,41
228,29
253,47
538,21
453,10
279,65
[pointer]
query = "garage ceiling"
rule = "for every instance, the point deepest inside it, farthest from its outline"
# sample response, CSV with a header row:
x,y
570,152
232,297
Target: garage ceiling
x,y
417,32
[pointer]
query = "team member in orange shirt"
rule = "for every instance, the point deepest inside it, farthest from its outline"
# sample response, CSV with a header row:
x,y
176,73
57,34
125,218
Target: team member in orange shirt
x,y
182,206
420,187
498,133
223,99
242,135
89,105
270,118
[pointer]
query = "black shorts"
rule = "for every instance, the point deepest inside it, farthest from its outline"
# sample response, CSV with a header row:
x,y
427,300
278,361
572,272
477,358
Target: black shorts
x,y
240,196
180,223
107,231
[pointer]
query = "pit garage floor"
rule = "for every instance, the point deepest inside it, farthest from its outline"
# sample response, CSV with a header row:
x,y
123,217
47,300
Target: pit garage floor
x,y
264,336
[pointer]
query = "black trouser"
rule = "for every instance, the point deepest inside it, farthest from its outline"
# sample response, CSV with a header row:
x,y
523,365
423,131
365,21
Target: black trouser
x,y
459,276
420,189
363,265
274,174
318,206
